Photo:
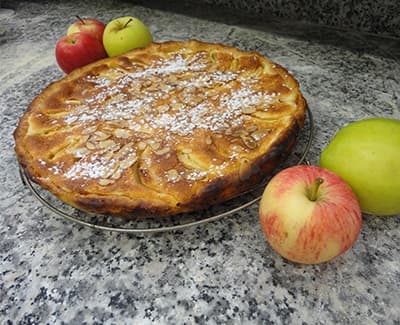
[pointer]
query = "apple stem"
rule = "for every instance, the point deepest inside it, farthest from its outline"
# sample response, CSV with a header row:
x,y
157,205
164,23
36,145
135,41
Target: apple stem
x,y
80,19
126,24
314,189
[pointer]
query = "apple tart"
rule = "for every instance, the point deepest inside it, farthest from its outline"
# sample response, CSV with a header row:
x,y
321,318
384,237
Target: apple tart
x,y
166,129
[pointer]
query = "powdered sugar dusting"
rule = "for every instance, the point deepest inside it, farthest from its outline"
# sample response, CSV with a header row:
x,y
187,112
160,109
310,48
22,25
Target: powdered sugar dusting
x,y
94,167
162,99
134,95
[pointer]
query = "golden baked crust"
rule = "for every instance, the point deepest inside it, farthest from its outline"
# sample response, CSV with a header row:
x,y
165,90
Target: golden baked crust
x,y
171,128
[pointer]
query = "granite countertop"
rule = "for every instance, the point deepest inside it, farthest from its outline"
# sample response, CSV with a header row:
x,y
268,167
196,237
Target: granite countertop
x,y
55,271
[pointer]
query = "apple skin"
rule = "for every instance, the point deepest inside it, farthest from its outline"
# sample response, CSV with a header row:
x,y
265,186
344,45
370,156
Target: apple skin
x,y
366,154
92,27
124,34
78,49
309,231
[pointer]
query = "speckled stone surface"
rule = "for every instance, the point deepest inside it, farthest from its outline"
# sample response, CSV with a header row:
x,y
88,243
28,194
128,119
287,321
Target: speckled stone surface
x,y
54,271
370,16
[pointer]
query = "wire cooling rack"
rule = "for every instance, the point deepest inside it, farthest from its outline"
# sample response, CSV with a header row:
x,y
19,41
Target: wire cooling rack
x,y
172,223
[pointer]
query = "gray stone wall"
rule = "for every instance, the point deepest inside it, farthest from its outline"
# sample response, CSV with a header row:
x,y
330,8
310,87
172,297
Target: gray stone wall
x,y
378,17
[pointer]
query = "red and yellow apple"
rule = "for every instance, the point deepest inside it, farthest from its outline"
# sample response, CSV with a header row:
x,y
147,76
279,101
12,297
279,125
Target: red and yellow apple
x,y
309,215
78,49
124,34
92,27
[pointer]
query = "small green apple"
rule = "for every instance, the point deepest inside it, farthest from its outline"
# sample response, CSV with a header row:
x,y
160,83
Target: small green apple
x,y
366,154
124,34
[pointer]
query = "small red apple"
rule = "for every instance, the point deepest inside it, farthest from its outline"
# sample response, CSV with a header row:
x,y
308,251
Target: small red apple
x,y
92,27
309,214
78,49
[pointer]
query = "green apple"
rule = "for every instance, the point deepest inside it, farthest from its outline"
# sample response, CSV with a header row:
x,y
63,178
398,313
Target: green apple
x,y
124,34
366,154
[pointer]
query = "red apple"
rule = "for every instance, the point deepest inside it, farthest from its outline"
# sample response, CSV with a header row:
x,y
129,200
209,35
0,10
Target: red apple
x,y
309,214
92,27
78,49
